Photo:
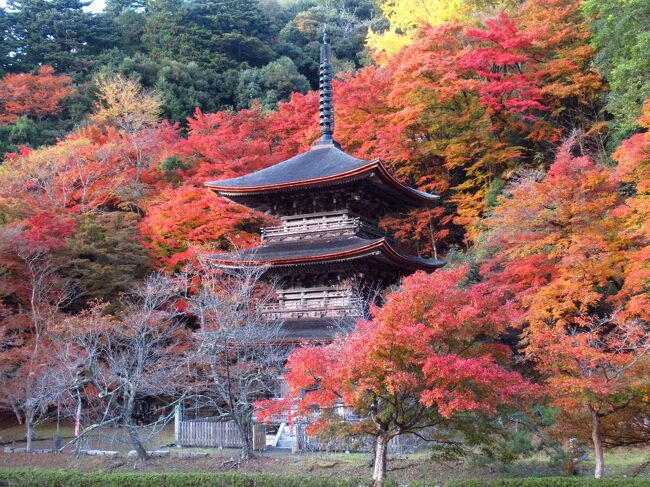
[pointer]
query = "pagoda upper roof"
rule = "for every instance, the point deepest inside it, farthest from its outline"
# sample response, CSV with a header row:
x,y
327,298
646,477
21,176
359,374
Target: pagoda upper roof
x,y
310,252
323,165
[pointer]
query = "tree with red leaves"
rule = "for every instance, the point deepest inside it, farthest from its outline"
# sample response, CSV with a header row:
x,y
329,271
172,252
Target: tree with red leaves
x,y
33,95
40,294
186,218
464,106
560,249
428,363
633,171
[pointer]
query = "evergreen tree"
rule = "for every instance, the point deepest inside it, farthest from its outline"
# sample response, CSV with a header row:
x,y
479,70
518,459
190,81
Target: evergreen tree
x,y
105,258
55,32
273,83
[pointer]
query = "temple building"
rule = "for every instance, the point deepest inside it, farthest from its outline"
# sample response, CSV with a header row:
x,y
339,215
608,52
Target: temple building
x,y
328,248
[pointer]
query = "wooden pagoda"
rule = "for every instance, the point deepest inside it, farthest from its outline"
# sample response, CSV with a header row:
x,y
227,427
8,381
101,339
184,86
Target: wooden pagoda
x,y
328,245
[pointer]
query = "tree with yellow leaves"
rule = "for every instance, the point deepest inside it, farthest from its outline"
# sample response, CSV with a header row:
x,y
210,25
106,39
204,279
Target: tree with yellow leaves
x,y
405,16
130,110
124,105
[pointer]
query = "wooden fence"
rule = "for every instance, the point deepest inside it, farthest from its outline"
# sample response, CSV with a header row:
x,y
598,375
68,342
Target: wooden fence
x,y
397,446
217,434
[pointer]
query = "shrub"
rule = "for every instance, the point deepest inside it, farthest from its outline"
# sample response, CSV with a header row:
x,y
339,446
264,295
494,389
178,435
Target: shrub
x,y
45,478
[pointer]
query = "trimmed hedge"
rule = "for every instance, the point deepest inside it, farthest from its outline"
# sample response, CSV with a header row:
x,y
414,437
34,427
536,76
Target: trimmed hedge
x,y
47,478
62,478
550,482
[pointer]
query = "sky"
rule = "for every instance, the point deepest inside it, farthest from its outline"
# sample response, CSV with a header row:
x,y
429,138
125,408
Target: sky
x,y
96,6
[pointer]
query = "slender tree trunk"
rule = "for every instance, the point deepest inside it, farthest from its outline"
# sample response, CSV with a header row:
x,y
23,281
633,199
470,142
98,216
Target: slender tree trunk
x,y
77,416
371,457
246,431
19,416
381,450
57,438
598,446
135,441
247,449
29,423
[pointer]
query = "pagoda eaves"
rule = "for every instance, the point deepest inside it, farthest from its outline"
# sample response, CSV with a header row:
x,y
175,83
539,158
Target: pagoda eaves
x,y
322,166
328,248
314,252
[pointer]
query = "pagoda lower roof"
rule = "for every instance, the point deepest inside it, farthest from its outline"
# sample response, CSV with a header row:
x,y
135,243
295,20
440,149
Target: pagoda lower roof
x,y
322,251
313,329
324,164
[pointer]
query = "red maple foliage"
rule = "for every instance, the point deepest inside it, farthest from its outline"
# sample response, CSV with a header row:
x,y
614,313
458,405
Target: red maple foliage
x,y
34,95
429,358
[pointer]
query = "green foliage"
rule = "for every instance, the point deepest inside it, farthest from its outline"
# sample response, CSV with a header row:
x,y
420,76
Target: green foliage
x,y
44,478
194,52
493,192
32,133
273,83
521,443
172,163
300,38
23,132
105,258
621,36
55,32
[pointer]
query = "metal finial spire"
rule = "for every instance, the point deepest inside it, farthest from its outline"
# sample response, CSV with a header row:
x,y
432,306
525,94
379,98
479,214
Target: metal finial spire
x,y
325,91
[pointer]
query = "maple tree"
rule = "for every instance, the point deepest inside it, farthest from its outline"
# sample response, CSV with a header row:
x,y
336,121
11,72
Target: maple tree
x,y
38,294
474,108
34,95
188,217
428,363
124,106
76,175
559,249
406,16
464,106
633,171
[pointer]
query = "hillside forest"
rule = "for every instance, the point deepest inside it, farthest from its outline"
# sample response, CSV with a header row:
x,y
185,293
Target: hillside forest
x,y
530,118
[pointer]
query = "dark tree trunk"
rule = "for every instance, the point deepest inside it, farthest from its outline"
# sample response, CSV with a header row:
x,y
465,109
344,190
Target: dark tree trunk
x,y
29,423
135,441
246,431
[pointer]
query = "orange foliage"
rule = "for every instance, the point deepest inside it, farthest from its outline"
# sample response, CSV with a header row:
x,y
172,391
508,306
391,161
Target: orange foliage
x,y
561,248
186,218
34,95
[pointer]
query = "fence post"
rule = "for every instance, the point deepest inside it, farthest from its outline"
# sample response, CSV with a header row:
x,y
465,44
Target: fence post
x,y
177,425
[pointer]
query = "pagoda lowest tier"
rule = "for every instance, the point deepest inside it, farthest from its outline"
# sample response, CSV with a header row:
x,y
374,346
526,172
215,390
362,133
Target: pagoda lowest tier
x,y
328,249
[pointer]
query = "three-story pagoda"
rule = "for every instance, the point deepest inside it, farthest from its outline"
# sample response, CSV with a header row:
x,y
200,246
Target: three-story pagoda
x,y
328,245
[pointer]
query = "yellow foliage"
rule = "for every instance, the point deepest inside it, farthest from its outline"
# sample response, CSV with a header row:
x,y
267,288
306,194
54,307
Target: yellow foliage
x,y
405,16
124,105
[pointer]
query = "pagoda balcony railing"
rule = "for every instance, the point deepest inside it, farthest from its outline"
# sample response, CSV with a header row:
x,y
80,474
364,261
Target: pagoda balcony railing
x,y
326,303
304,227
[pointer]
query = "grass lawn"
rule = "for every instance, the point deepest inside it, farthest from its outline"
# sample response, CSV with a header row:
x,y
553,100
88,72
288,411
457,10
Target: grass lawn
x,y
405,468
